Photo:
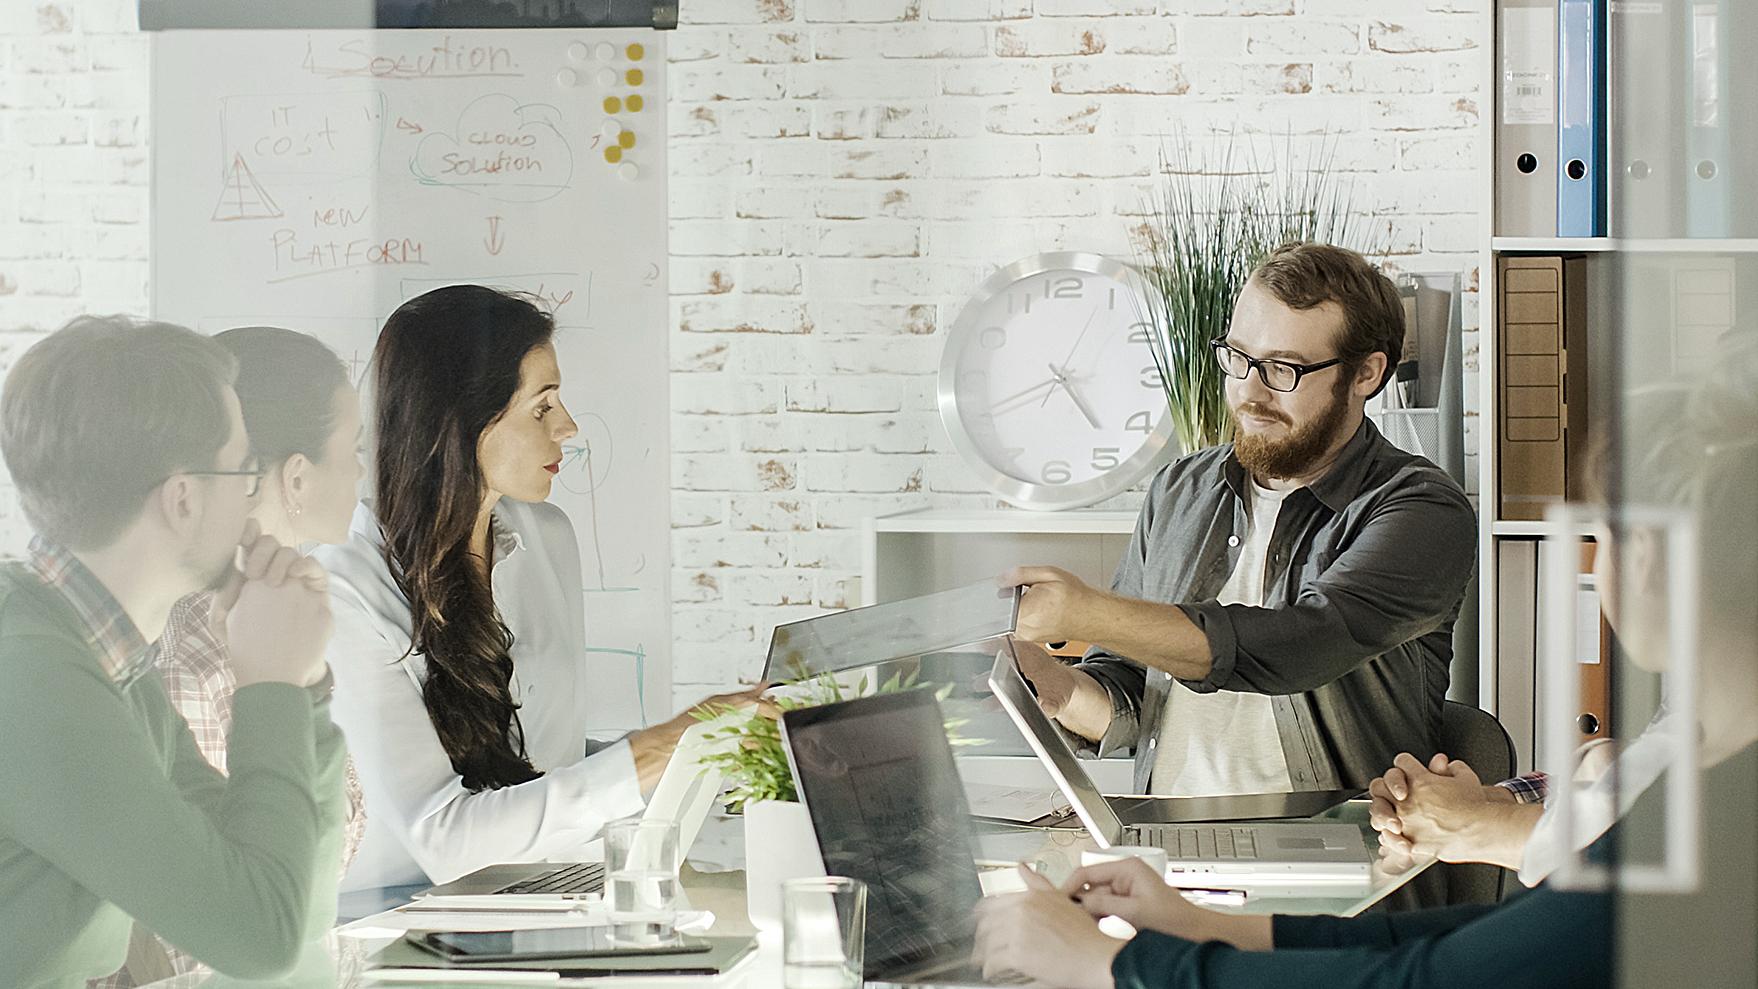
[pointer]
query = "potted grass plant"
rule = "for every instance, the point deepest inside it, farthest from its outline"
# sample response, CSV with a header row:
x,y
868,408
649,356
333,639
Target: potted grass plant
x,y
1206,228
746,748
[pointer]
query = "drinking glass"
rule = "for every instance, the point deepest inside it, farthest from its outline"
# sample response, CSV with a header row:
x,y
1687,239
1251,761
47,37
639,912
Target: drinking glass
x,y
823,932
641,871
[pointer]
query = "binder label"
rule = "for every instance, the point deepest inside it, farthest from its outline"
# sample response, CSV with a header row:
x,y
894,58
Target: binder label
x,y
1529,53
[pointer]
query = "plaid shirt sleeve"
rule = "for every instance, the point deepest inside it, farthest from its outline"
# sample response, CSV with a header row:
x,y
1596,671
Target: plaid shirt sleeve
x,y
198,679
1532,788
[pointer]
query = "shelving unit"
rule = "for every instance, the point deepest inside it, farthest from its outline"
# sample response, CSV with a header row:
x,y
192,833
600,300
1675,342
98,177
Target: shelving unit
x,y
1640,245
913,553
929,550
1669,298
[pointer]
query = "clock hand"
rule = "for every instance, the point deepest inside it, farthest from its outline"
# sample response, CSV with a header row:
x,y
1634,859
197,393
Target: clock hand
x,y
1081,336
1078,337
1061,378
1016,396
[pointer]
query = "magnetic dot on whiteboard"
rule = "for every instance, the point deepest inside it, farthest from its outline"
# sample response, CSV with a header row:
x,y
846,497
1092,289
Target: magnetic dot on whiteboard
x,y
634,77
611,130
634,103
628,171
626,139
613,154
605,51
567,78
613,105
607,78
635,53
579,51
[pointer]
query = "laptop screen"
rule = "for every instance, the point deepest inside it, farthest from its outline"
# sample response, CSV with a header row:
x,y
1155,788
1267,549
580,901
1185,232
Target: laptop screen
x,y
1022,706
845,640
877,776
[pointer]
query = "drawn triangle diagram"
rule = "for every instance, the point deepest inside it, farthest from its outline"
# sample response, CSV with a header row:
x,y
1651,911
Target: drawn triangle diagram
x,y
243,198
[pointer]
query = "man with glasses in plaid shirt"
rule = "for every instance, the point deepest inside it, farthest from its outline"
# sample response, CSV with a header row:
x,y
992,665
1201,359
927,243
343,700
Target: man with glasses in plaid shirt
x,y
1283,616
128,451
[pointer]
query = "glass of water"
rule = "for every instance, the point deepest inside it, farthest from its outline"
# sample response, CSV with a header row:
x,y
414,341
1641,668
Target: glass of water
x,y
641,873
823,932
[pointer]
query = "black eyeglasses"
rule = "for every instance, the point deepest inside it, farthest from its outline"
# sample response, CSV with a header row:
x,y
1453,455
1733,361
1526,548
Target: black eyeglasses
x,y
252,469
1276,375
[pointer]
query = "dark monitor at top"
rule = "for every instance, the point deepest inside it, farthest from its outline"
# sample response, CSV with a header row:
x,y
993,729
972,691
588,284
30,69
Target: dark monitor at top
x,y
877,776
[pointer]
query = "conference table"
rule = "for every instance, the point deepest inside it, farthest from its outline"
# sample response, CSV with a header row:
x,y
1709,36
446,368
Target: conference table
x,y
369,922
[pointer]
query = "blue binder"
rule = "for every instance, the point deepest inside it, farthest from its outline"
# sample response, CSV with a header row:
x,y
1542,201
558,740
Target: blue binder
x,y
1581,121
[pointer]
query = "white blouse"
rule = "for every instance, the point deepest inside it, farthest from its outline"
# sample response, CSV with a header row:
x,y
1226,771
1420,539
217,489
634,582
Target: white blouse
x,y
421,824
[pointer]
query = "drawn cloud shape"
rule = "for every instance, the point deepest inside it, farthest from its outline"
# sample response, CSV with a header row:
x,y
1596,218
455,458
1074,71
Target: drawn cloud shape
x,y
500,149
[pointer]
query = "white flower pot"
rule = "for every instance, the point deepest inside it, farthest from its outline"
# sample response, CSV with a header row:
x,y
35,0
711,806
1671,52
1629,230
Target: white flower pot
x,y
779,845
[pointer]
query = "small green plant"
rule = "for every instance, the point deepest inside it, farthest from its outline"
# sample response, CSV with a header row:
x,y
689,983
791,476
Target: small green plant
x,y
748,750
1206,229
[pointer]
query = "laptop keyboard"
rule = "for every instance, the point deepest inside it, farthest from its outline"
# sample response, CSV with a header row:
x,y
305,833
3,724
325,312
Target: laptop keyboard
x,y
579,878
1204,842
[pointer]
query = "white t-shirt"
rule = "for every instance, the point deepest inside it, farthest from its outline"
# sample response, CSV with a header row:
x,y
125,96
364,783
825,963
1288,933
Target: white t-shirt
x,y
421,824
1226,742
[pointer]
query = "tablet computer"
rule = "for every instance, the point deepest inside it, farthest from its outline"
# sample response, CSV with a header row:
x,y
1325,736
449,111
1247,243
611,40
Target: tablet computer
x,y
541,944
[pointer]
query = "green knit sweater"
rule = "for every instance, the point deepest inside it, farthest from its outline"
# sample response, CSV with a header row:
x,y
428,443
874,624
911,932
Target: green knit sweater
x,y
108,811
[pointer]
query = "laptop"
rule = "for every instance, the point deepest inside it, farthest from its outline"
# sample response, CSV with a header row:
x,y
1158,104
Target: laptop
x,y
877,777
685,793
858,637
1226,855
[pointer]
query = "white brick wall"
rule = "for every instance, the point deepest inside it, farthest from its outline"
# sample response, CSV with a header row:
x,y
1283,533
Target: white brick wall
x,y
73,161
835,198
866,140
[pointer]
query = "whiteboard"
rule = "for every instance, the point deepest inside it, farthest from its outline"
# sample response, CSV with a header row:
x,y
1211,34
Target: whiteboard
x,y
316,180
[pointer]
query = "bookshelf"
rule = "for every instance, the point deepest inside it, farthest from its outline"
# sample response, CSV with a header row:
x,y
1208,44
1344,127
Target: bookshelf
x,y
1655,305
1631,245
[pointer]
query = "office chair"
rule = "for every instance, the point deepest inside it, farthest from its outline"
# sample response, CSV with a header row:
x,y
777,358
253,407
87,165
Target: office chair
x,y
1476,737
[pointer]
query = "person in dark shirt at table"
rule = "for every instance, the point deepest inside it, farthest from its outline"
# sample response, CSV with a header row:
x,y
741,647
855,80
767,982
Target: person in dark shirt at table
x,y
1696,452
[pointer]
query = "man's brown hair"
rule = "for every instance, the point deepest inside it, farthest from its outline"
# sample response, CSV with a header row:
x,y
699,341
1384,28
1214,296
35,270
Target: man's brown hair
x,y
1304,275
99,413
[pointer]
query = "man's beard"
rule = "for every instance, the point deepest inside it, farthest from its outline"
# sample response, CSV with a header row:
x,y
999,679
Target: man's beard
x,y
1298,453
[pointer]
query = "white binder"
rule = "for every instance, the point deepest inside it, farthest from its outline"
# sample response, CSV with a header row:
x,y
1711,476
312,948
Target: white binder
x,y
1526,119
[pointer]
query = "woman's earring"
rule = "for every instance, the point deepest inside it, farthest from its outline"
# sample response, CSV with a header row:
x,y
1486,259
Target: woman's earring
x,y
293,512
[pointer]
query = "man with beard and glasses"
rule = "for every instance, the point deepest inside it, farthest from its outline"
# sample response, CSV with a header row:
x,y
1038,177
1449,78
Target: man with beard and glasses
x,y
1283,617
127,446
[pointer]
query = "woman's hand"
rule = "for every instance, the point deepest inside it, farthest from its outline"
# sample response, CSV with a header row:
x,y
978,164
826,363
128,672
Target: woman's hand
x,y
1043,935
1132,890
652,747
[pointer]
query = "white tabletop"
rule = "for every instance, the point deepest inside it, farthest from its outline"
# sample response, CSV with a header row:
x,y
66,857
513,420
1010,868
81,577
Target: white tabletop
x,y
712,881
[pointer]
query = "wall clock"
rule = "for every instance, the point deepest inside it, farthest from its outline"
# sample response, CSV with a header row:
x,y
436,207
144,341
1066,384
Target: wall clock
x,y
1048,386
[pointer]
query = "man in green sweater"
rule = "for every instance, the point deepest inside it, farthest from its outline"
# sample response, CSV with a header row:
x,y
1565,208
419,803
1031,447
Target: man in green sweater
x,y
127,448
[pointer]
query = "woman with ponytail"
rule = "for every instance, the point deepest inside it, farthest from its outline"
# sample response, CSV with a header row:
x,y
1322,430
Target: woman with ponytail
x,y
459,650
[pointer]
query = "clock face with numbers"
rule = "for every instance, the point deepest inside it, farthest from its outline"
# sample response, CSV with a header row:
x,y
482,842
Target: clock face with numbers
x,y
1048,387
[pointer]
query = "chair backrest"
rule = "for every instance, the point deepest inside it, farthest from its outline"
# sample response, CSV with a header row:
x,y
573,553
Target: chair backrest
x,y
1475,736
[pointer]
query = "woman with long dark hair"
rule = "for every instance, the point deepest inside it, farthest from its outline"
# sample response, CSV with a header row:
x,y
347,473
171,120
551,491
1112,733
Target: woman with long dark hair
x,y
459,650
